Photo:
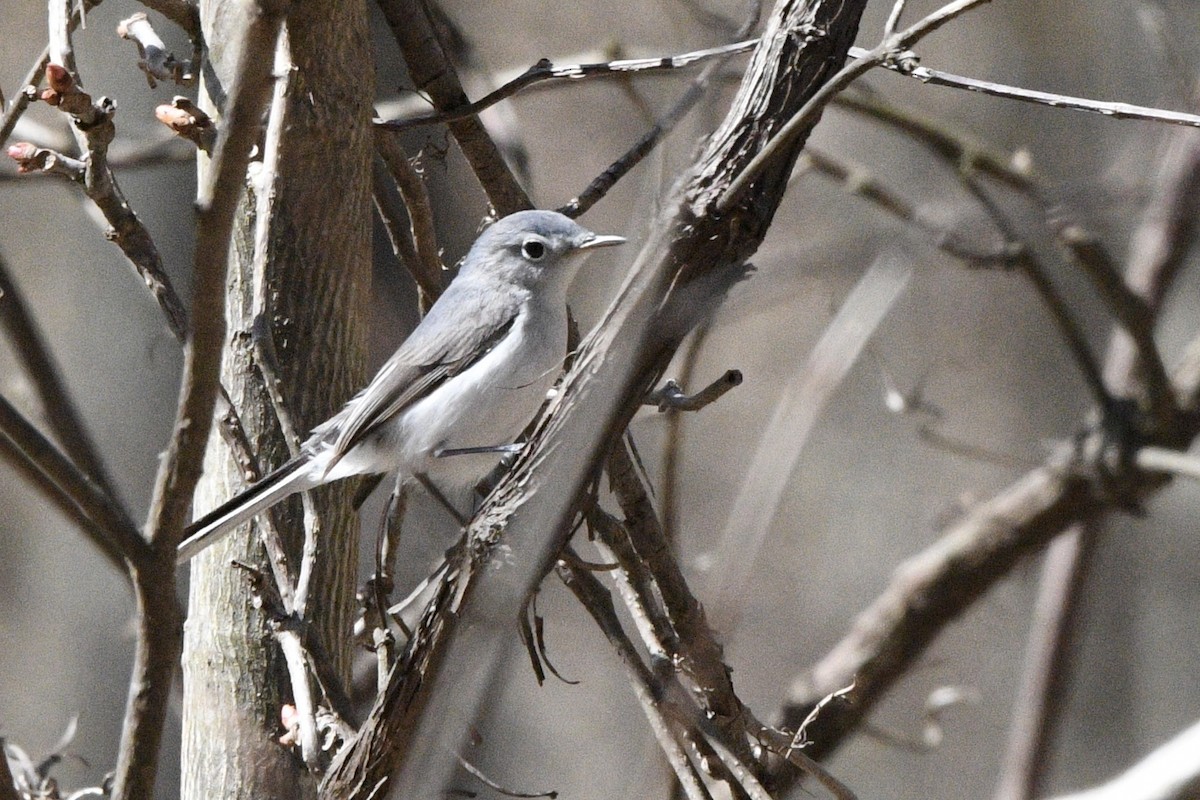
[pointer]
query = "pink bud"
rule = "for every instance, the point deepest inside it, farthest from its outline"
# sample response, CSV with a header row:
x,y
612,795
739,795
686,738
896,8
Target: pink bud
x,y
59,78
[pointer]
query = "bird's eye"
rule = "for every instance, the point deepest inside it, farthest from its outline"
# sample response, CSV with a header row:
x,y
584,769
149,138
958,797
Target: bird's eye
x,y
533,250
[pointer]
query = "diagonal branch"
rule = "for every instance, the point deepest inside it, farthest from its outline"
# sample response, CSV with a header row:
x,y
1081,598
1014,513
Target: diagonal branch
x,y
931,589
545,70
100,517
806,116
21,102
39,364
935,586
432,72
1105,108
424,261
598,602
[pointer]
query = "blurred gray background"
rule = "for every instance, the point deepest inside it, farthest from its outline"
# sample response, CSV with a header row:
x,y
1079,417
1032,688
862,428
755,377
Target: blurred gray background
x,y
868,492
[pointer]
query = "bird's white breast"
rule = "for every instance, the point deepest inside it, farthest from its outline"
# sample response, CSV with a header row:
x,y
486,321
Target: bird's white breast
x,y
487,405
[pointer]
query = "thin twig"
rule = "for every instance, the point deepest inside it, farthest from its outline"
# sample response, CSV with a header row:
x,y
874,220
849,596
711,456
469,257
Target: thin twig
x,y
297,668
602,183
857,180
598,602
1130,311
1060,310
395,223
61,18
94,121
294,594
889,27
40,365
425,262
482,777
545,70
671,396
673,448
107,523
891,47
21,102
636,588
1172,462
432,72
1105,108
692,645
1044,676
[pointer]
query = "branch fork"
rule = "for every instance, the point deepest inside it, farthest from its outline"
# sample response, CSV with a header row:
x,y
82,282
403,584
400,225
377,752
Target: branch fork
x,y
154,59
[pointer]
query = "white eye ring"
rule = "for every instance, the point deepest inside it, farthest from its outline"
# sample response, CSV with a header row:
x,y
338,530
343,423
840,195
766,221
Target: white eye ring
x,y
533,249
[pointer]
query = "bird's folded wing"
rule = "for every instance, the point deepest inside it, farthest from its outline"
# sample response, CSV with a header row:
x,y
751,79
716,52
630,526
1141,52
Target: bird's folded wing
x,y
416,370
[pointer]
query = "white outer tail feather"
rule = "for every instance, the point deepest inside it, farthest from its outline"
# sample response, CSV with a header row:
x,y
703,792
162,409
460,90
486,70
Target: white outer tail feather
x,y
290,478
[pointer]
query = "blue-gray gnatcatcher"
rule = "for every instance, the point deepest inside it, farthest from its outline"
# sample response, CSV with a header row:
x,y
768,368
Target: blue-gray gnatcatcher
x,y
465,383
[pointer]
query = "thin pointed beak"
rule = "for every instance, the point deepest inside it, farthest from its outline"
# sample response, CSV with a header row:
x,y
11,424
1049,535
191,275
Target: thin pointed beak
x,y
598,240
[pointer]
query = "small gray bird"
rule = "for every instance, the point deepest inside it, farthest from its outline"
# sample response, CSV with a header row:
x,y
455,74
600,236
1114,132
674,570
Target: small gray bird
x,y
463,385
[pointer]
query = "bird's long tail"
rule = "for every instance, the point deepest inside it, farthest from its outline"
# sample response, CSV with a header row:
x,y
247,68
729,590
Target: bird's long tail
x,y
288,479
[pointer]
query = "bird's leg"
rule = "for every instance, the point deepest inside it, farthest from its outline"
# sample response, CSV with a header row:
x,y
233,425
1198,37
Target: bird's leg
x,y
436,494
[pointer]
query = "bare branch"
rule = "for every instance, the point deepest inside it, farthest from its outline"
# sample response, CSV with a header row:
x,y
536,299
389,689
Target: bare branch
x,y
425,262
932,588
671,396
1171,772
39,364
57,480
598,602
544,70
889,27
1131,312
433,73
14,113
857,180
93,119
155,60
1112,110
1171,462
602,183
1046,669
806,117
61,19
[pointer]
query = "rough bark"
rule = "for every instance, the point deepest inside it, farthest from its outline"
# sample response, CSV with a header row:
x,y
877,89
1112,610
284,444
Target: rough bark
x,y
314,282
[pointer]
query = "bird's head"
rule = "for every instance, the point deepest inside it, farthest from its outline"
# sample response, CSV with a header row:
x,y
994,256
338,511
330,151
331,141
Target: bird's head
x,y
533,249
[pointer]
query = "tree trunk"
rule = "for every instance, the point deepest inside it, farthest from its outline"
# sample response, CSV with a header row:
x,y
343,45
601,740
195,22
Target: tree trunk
x,y
311,289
